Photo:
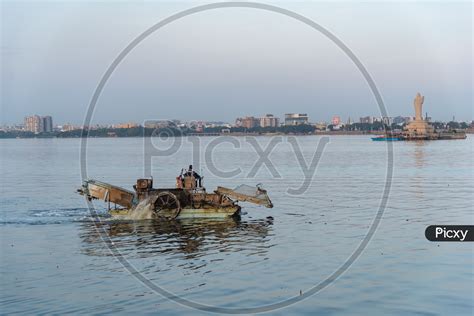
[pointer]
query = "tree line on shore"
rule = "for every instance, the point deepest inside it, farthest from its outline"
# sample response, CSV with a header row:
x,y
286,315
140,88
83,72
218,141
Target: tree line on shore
x,y
173,131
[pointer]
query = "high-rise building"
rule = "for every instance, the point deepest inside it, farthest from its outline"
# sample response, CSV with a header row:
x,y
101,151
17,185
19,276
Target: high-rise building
x,y
34,124
296,119
47,123
247,122
269,121
39,124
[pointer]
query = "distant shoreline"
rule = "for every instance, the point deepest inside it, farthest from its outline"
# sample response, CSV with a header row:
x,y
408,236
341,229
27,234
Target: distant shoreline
x,y
236,134
172,130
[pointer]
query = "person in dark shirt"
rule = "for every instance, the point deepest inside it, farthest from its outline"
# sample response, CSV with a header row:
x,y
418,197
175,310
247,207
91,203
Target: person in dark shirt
x,y
193,173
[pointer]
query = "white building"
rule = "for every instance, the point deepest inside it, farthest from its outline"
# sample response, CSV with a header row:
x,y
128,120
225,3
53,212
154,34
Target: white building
x,y
269,121
366,120
296,119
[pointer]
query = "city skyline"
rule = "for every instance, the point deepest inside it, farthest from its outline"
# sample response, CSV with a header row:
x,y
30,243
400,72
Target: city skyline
x,y
325,118
39,124
280,118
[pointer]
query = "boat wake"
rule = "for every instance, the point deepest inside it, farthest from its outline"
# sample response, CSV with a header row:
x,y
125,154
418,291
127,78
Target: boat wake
x,y
52,216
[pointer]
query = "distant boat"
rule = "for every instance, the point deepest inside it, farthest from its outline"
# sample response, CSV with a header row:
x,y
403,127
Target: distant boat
x,y
386,138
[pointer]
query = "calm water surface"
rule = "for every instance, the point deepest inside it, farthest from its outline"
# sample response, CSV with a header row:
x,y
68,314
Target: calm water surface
x,y
54,261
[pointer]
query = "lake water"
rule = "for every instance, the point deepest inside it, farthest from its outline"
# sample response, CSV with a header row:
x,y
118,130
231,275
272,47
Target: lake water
x,y
53,259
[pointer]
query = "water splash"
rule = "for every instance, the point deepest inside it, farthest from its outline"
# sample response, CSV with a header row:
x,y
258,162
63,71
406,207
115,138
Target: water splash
x,y
144,210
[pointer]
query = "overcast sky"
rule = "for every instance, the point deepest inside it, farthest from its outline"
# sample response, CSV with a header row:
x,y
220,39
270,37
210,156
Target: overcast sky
x,y
225,63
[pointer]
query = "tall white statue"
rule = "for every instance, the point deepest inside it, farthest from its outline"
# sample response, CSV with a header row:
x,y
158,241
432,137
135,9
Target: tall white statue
x,y
419,128
418,102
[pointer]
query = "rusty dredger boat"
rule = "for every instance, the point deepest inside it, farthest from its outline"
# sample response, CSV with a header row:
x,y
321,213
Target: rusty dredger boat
x,y
189,199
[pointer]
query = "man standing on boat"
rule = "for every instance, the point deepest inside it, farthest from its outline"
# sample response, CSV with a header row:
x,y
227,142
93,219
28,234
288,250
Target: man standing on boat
x,y
193,173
